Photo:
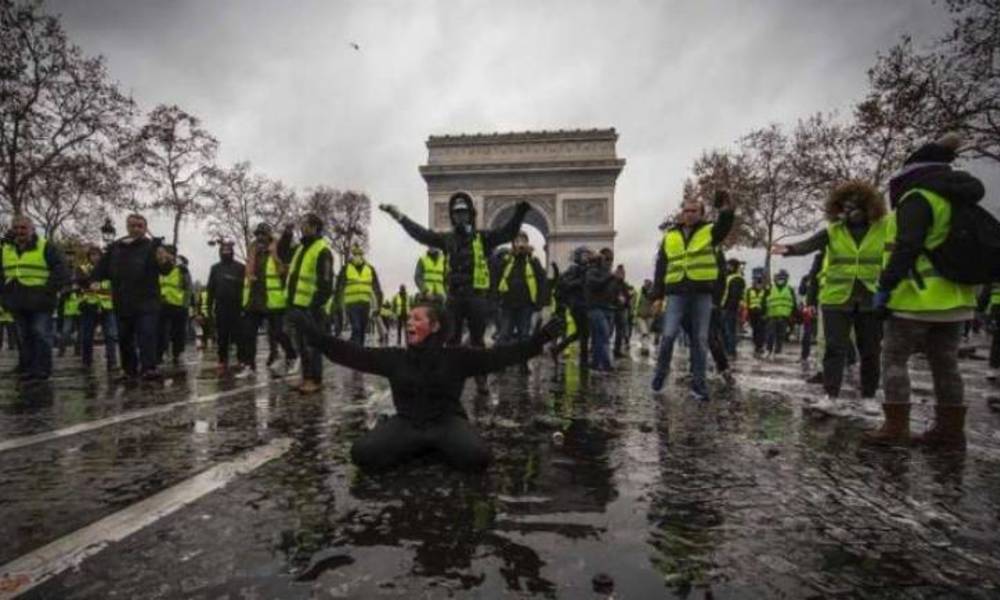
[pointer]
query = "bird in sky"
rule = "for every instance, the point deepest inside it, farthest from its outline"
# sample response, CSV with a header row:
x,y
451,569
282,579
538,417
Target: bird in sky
x,y
354,45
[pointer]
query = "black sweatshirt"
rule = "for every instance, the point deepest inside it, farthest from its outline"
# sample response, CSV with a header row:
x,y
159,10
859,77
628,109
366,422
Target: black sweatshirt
x,y
131,266
426,381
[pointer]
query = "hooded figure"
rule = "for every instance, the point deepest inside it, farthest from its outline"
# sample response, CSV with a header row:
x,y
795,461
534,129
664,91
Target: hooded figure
x,y
225,299
466,250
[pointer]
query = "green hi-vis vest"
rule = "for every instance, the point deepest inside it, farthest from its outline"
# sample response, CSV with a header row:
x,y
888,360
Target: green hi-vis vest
x,y
433,275
754,298
303,272
694,261
995,295
100,297
203,303
780,302
480,270
71,307
358,287
29,268
275,288
386,311
845,262
937,293
400,304
172,287
729,284
529,278
5,315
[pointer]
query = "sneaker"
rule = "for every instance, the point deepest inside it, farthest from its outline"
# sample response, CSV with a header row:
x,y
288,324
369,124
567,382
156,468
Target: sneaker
x,y
827,404
871,406
243,372
292,366
658,379
699,396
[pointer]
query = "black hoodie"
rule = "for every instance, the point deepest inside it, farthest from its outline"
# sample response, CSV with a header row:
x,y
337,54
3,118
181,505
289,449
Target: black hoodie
x,y
131,266
457,244
914,217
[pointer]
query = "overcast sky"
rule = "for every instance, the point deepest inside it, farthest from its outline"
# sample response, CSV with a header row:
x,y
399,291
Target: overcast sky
x,y
279,85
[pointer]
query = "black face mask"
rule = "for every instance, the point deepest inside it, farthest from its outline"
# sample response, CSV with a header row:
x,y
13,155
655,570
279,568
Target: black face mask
x,y
462,221
854,215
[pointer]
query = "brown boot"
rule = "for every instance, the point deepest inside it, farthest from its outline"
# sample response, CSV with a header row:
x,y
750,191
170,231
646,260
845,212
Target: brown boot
x,y
895,431
948,431
310,387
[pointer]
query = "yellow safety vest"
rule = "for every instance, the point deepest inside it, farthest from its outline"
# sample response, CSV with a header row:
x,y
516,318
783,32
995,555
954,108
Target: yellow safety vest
x,y
845,262
71,307
729,282
995,295
780,302
695,260
28,268
358,288
937,293
387,310
480,270
5,315
400,304
529,278
172,287
754,298
100,297
275,288
303,272
433,275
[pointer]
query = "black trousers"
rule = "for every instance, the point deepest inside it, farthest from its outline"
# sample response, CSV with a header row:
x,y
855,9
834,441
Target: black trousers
x,y
777,331
582,334
276,337
621,329
472,312
758,330
995,345
837,325
227,330
173,330
137,337
397,440
400,328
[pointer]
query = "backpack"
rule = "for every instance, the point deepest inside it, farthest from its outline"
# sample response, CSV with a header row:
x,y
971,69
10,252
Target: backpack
x,y
970,254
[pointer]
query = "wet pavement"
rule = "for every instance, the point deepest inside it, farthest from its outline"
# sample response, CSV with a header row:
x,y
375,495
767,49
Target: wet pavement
x,y
600,488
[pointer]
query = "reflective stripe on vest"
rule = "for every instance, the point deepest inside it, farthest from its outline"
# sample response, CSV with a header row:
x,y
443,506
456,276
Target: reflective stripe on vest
x,y
303,272
101,296
937,292
433,275
845,262
274,290
529,278
480,270
694,261
780,302
995,295
172,287
29,268
754,298
358,285
729,283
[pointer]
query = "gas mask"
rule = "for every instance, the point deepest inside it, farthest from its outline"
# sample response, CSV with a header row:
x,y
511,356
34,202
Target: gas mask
x,y
462,220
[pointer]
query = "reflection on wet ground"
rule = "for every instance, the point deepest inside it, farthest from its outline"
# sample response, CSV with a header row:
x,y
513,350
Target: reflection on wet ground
x,y
745,496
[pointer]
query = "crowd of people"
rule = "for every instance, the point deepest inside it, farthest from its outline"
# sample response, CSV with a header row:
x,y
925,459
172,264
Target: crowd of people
x,y
874,295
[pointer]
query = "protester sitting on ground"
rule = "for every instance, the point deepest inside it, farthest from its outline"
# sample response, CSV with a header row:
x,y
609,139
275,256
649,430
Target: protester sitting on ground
x,y
426,379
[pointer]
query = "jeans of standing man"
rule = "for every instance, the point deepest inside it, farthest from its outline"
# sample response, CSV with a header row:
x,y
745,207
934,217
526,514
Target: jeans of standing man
x,y
137,337
995,345
10,328
867,327
758,330
34,329
730,330
228,330
777,330
939,342
90,317
65,337
600,321
516,323
312,358
473,311
173,331
621,330
357,316
698,308
276,337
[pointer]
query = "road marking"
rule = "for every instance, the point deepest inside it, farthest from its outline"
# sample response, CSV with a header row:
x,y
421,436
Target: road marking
x,y
33,569
38,438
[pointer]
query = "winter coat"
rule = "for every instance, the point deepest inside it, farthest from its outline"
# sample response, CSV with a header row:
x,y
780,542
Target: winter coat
x,y
134,273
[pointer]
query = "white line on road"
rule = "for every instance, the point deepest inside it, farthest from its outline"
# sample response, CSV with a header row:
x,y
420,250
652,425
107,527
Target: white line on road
x,y
38,438
30,570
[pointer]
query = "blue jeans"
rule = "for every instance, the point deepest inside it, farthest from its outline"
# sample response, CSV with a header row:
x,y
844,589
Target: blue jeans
x,y
730,330
137,338
516,324
312,358
357,316
600,338
35,330
697,308
89,320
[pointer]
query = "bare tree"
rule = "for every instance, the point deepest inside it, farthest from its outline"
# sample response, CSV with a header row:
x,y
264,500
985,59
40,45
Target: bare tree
x,y
347,214
75,196
240,199
55,103
172,156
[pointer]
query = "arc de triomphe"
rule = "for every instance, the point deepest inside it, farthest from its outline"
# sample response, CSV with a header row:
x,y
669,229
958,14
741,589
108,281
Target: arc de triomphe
x,y
568,177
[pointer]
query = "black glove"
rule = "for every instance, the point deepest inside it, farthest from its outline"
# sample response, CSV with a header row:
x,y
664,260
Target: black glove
x,y
553,328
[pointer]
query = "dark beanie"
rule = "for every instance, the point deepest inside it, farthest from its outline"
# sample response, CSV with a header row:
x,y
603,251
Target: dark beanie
x,y
942,150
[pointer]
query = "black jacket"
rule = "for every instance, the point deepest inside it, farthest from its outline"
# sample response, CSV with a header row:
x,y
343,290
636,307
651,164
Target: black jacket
x,y
457,246
720,229
18,297
225,286
570,287
426,381
134,274
600,286
517,294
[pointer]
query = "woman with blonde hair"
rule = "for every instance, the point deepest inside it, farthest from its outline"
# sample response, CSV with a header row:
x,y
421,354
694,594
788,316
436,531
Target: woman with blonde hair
x,y
853,244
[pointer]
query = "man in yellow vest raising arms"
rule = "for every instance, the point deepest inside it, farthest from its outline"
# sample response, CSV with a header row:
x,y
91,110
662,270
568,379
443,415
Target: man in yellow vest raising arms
x,y
927,310
359,290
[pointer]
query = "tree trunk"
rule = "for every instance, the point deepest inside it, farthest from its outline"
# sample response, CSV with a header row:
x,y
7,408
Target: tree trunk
x,y
767,253
177,225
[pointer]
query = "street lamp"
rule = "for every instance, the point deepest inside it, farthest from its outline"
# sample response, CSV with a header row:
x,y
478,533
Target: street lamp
x,y
108,231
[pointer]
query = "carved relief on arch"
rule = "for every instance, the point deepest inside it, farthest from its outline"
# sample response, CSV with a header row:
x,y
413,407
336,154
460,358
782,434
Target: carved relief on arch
x,y
544,202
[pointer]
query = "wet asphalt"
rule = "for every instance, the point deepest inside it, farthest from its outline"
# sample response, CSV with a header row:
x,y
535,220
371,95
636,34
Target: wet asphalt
x,y
600,488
